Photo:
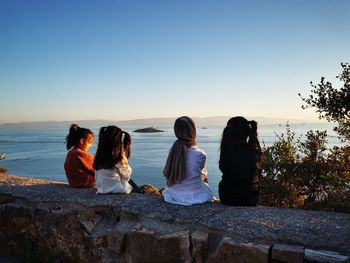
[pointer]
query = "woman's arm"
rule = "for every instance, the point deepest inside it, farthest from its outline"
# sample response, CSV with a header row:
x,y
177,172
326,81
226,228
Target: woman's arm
x,y
202,164
124,171
87,161
204,175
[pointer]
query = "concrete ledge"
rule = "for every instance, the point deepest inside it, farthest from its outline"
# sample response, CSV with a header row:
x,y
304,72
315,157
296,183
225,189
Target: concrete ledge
x,y
48,221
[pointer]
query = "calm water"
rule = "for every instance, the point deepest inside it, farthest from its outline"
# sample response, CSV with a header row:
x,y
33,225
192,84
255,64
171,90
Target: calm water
x,y
41,153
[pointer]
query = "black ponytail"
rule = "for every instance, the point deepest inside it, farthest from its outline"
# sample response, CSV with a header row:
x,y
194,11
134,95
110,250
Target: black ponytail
x,y
75,135
255,145
111,145
253,136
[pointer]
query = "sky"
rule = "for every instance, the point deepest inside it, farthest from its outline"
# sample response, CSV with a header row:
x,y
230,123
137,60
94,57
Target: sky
x,y
130,59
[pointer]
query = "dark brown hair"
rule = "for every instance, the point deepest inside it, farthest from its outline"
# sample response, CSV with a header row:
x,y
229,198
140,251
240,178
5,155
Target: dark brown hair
x,y
113,145
76,134
239,131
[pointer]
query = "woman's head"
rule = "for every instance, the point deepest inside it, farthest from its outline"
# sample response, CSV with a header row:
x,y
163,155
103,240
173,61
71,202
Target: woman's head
x,y
79,137
113,146
239,130
185,130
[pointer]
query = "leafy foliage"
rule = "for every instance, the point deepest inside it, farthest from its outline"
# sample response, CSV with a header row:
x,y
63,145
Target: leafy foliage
x,y
304,174
333,104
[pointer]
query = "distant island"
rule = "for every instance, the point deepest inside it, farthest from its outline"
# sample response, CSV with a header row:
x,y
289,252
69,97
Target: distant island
x,y
148,129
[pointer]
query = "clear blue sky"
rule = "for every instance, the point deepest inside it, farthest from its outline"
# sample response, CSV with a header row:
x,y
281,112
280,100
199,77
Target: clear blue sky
x,y
121,59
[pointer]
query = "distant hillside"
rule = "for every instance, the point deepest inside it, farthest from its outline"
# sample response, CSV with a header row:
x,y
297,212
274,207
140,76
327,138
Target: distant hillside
x,y
154,122
57,124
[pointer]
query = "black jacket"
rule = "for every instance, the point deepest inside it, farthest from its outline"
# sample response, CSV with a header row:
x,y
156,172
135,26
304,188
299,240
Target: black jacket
x,y
240,176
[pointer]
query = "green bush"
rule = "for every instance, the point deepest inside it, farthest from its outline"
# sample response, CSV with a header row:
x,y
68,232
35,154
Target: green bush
x,y
305,174
332,103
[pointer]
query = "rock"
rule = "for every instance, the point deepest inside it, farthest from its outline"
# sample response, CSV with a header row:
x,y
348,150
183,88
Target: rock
x,y
287,253
6,198
324,256
148,130
199,245
144,245
232,251
44,221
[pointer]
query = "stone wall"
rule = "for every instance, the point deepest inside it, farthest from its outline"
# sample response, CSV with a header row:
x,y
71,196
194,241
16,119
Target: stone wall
x,y
44,221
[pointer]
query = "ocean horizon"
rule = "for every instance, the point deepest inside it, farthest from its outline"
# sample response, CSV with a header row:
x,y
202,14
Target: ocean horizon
x,y
40,153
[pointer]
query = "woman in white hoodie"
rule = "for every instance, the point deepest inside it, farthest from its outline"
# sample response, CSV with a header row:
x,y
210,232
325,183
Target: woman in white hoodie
x,y
185,169
111,161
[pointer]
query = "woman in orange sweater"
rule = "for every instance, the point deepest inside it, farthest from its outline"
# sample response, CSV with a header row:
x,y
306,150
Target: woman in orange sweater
x,y
78,164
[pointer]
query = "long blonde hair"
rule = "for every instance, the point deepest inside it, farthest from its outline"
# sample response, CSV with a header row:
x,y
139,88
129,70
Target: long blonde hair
x,y
175,167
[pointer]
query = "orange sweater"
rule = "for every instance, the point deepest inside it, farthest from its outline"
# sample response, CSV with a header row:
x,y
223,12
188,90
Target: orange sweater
x,y
79,170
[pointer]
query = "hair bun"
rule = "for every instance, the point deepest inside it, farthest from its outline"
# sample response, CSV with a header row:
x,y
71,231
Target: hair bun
x,y
74,126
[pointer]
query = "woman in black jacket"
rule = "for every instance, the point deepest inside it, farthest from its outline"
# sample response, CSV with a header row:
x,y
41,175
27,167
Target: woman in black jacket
x,y
240,163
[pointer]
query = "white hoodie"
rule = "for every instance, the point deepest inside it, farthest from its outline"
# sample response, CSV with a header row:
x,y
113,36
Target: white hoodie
x,y
115,180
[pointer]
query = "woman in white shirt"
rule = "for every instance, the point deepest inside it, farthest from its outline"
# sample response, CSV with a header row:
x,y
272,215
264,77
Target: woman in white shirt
x,y
185,171
111,161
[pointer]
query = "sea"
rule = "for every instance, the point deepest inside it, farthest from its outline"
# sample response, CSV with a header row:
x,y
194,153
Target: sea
x,y
40,153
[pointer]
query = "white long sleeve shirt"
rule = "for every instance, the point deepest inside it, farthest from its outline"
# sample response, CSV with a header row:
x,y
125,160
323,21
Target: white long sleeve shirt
x,y
115,180
192,190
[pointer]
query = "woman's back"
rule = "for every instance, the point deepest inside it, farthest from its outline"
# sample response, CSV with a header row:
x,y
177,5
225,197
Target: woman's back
x,y
240,178
240,164
195,162
191,190
79,170
114,180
